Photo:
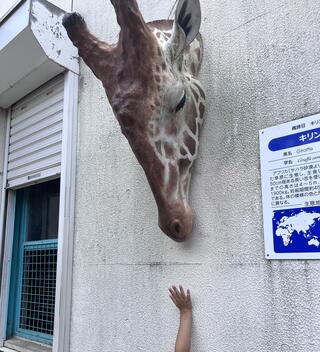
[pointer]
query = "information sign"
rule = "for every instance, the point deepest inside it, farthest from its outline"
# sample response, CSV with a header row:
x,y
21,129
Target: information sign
x,y
290,177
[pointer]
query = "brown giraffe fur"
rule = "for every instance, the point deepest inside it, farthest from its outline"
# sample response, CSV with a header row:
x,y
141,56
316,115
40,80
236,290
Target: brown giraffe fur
x,y
147,76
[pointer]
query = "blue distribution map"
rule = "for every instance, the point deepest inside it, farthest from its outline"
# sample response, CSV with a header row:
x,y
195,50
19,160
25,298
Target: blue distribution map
x,y
296,230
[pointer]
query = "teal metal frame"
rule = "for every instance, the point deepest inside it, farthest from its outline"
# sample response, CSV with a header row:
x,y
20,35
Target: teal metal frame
x,y
16,278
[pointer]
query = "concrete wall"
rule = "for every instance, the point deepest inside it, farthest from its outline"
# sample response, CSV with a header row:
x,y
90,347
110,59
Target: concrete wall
x,y
261,68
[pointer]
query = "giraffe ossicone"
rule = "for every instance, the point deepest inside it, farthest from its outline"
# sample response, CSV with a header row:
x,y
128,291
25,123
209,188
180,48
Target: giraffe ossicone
x,y
150,78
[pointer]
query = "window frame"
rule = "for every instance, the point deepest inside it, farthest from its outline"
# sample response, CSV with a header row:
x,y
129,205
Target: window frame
x,y
16,279
61,335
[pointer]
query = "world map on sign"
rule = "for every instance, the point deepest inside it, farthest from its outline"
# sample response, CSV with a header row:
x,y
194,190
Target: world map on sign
x,y
296,230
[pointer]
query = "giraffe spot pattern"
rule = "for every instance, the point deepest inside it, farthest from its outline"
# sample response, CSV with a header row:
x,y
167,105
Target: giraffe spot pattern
x,y
192,118
184,164
183,152
201,109
177,141
189,142
158,146
168,150
200,90
193,68
195,94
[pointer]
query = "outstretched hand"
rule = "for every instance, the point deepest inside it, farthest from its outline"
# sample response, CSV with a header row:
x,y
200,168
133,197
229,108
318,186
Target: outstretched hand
x,y
183,302
181,299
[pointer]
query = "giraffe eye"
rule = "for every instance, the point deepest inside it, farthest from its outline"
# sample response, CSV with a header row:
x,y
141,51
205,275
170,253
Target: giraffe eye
x,y
181,102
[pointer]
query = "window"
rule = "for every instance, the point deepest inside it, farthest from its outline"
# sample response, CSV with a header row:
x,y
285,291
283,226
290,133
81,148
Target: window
x,y
34,262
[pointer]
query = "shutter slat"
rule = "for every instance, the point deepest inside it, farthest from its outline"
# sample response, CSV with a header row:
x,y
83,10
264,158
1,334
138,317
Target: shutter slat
x,y
35,167
36,96
25,114
37,117
36,137
36,128
35,141
34,147
42,154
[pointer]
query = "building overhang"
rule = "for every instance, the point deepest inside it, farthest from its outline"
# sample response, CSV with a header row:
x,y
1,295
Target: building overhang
x,y
34,47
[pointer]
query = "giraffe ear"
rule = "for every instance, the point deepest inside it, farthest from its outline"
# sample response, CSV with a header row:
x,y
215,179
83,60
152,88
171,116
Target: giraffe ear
x,y
186,25
188,17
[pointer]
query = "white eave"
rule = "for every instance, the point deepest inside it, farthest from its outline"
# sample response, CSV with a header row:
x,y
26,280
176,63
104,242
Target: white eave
x,y
34,47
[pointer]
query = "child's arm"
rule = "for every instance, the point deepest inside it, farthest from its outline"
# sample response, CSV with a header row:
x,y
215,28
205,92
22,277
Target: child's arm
x,y
183,303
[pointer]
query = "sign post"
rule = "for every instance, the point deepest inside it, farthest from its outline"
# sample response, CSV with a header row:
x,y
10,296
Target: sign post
x,y
290,177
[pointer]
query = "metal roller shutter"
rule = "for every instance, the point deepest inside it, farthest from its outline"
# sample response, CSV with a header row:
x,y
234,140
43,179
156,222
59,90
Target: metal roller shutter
x,y
36,135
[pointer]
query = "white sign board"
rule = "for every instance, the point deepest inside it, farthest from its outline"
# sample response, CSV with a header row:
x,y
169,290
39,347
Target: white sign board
x,y
290,176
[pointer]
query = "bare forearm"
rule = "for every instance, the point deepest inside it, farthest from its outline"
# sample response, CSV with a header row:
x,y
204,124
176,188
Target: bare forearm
x,y
183,341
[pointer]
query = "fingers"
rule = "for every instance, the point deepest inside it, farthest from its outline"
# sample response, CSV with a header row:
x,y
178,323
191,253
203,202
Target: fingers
x,y
173,295
173,299
176,291
188,295
182,292
178,296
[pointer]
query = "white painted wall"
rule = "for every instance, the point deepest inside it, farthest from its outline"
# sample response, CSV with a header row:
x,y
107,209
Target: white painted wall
x,y
261,67
63,4
6,5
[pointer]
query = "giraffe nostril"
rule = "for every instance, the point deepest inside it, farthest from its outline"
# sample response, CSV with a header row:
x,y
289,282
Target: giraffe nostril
x,y
176,227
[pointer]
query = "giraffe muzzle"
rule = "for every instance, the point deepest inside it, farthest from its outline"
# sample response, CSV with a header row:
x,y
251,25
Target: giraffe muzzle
x,y
177,226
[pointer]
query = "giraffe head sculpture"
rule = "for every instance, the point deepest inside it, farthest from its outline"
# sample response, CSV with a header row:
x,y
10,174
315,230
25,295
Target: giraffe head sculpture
x,y
150,80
